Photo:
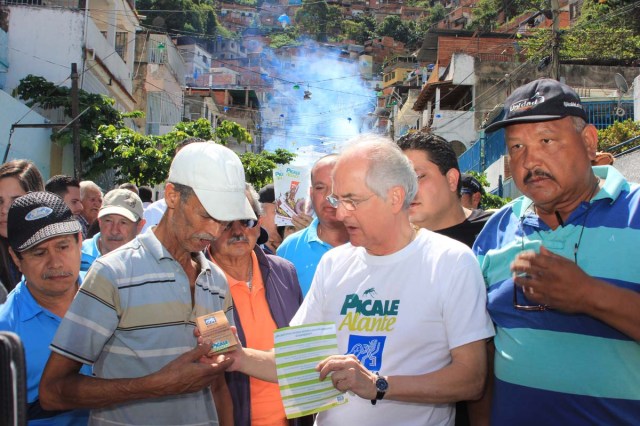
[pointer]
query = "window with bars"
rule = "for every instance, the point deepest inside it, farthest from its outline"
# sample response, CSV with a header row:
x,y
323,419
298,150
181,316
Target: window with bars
x,y
121,45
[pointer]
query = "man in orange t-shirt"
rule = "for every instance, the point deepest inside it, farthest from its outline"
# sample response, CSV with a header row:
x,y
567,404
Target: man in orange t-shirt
x,y
266,295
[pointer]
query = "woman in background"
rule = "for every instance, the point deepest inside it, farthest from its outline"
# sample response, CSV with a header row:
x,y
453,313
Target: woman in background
x,y
17,177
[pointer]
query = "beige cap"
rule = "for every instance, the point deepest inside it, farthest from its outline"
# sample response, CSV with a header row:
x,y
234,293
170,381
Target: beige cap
x,y
122,202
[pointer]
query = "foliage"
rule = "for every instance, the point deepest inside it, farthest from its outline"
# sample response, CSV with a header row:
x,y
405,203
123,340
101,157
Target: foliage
x,y
287,38
485,15
355,31
96,110
597,43
107,144
610,13
617,133
436,13
145,159
135,157
488,201
188,16
393,26
258,168
604,32
318,19
360,28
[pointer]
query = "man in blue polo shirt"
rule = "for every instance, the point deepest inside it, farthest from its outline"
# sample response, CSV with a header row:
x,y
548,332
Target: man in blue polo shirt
x,y
305,248
45,243
562,271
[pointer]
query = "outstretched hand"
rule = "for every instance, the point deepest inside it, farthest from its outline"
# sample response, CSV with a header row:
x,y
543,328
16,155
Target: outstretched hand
x,y
235,356
188,373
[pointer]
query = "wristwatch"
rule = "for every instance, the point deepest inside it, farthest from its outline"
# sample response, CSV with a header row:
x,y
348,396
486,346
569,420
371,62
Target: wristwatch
x,y
381,386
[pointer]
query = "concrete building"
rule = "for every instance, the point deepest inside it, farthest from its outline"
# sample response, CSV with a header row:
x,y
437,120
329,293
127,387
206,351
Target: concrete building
x,y
44,37
159,79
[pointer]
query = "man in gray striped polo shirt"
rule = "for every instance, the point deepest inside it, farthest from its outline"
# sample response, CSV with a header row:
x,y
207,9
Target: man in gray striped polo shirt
x,y
134,315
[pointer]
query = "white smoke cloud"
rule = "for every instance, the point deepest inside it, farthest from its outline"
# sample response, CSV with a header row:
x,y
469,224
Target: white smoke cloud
x,y
337,103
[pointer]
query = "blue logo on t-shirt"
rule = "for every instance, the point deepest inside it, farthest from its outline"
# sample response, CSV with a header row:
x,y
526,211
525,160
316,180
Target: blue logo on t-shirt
x,y
368,349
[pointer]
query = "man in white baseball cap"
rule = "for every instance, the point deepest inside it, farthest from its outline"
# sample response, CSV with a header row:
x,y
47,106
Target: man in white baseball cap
x,y
134,316
120,219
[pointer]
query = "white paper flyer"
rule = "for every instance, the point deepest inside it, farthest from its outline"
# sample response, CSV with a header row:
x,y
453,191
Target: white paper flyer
x,y
298,350
291,186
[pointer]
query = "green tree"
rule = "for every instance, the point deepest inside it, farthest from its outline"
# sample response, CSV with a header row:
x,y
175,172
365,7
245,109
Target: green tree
x,y
393,26
258,168
611,13
145,159
289,37
107,144
96,110
485,15
181,16
318,19
355,31
599,43
436,13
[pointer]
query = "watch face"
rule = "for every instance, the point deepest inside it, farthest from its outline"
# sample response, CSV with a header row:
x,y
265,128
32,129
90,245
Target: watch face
x,y
382,385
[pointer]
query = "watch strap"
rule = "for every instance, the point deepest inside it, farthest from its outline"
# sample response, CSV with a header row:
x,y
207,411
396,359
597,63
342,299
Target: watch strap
x,y
379,394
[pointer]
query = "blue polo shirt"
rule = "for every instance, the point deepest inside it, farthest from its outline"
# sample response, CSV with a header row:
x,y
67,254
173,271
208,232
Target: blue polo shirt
x,y
36,327
304,249
556,368
90,252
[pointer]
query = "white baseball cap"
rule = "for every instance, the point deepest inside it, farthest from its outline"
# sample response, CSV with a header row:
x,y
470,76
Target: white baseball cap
x,y
122,202
217,177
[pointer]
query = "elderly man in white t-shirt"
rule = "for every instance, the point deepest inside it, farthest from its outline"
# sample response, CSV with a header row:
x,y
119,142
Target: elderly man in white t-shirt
x,y
408,304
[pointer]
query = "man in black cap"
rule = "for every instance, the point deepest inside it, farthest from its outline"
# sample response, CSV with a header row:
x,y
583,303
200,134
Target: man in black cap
x,y
45,241
562,271
471,192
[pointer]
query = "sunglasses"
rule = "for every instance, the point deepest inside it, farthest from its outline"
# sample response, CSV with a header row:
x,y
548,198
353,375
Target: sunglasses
x,y
245,223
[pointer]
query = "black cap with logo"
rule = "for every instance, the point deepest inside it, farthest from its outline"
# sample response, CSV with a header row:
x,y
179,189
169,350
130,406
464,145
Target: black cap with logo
x,y
37,217
540,100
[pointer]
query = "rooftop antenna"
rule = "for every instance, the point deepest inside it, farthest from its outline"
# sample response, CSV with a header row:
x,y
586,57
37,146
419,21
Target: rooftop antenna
x,y
623,88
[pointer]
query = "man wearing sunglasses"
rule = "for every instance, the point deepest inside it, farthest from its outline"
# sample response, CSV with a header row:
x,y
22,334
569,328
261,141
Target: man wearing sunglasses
x,y
562,271
408,305
133,318
266,295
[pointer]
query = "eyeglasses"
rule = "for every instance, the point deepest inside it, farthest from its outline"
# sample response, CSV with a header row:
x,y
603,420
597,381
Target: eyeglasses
x,y
347,203
576,247
245,223
517,305
223,223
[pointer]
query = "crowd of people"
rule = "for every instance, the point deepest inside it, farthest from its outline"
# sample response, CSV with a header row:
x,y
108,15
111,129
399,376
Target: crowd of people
x,y
444,313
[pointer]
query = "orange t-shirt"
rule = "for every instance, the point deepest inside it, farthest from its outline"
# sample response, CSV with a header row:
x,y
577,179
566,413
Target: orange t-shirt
x,y
258,326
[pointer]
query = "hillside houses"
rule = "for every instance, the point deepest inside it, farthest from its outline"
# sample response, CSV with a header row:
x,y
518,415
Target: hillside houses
x,y
450,84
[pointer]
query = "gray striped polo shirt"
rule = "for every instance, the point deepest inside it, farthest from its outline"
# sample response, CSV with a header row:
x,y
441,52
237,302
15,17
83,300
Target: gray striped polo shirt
x,y
132,316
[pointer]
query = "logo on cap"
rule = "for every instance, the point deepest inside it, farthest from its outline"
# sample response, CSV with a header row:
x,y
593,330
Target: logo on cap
x,y
572,104
38,213
130,201
526,104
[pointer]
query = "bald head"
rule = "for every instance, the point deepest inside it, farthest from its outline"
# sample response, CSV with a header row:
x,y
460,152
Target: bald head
x,y
386,166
